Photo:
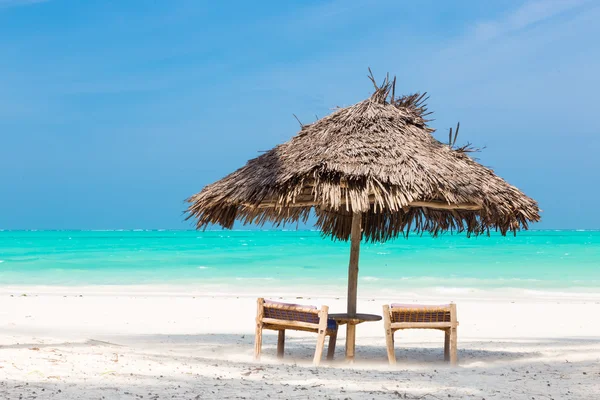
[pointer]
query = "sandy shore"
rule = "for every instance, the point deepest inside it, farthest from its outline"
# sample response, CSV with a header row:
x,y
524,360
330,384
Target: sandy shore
x,y
178,343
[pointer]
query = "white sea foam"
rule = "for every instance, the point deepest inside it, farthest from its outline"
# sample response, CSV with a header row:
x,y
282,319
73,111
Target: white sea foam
x,y
202,267
238,278
1,261
370,278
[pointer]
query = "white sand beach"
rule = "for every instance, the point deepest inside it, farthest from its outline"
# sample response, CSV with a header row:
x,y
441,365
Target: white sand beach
x,y
175,343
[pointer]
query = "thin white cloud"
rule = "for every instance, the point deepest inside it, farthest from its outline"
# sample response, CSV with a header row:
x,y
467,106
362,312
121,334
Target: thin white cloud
x,y
529,14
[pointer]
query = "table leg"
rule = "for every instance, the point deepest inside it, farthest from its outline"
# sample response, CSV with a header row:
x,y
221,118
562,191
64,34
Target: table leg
x,y
281,343
350,341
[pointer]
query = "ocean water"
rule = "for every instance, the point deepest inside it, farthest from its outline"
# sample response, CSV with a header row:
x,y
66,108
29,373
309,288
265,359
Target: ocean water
x,y
533,259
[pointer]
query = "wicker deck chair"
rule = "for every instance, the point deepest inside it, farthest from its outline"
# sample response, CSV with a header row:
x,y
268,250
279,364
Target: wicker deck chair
x,y
281,316
413,316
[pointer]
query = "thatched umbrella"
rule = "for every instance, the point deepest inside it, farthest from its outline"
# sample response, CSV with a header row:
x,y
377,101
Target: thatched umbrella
x,y
370,170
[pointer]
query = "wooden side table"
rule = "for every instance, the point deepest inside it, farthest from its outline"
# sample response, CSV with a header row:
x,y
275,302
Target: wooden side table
x,y
352,320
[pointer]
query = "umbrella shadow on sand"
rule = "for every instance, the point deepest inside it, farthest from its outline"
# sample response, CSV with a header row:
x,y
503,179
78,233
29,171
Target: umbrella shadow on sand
x,y
301,350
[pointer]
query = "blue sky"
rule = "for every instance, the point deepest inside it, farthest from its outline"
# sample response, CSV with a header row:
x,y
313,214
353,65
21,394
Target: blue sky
x,y
112,113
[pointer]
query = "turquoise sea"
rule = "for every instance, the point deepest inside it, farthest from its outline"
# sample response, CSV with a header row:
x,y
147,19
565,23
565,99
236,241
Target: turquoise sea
x,y
533,259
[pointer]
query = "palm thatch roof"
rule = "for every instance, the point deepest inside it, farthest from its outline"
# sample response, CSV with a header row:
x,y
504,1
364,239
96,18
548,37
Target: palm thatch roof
x,y
377,157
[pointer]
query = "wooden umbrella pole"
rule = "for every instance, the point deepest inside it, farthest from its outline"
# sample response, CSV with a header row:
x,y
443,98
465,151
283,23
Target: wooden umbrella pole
x,y
353,266
355,236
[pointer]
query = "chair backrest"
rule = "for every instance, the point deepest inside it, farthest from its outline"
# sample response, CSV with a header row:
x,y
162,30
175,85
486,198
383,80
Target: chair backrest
x,y
288,311
422,313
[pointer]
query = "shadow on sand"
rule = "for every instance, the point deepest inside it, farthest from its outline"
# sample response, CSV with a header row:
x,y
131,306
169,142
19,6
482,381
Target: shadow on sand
x,y
212,366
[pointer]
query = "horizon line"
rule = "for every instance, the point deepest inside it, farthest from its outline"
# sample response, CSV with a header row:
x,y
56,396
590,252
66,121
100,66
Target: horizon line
x,y
251,230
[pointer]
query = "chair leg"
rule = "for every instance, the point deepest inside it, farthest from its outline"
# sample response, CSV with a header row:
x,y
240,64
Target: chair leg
x,y
453,346
447,345
389,341
331,347
320,346
389,335
322,331
280,343
258,341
